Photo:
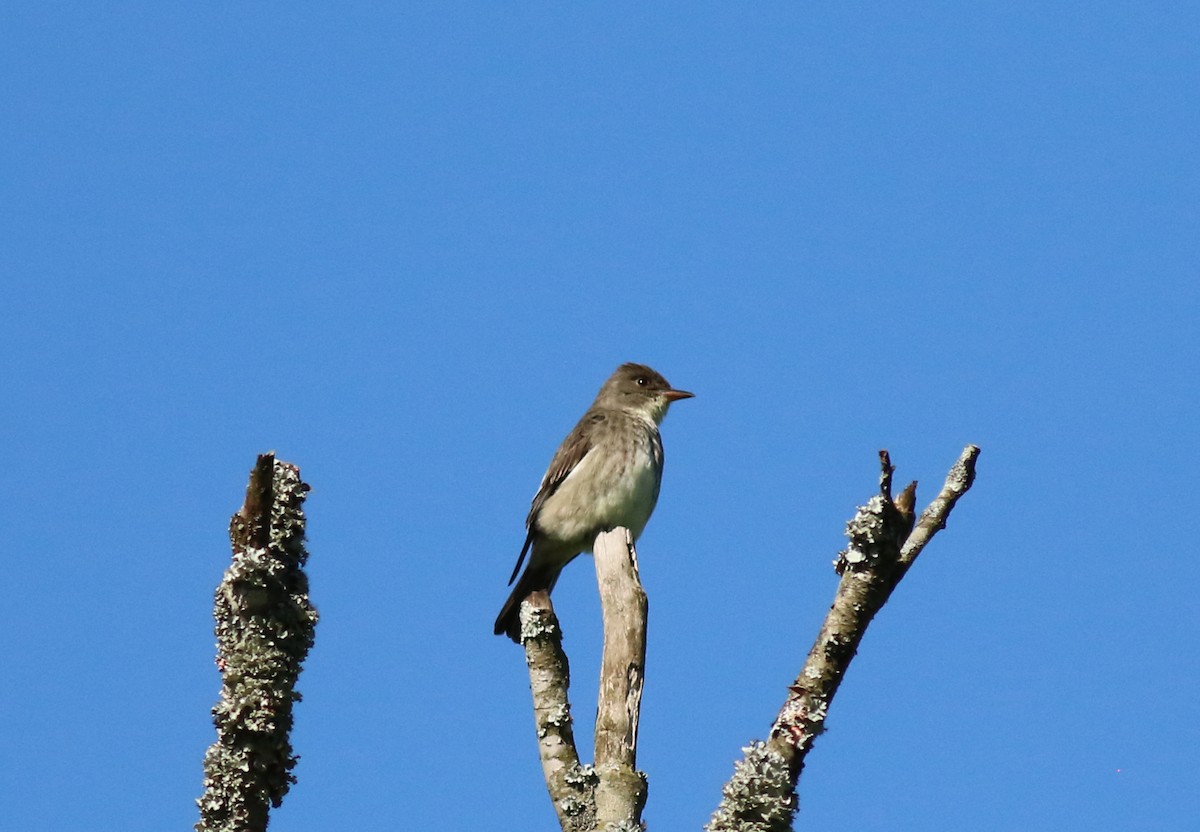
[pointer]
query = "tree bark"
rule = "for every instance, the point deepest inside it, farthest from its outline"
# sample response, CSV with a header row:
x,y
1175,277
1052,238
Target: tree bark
x,y
572,786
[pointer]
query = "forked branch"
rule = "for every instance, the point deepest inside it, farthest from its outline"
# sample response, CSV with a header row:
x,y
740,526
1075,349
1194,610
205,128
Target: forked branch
x,y
611,794
761,795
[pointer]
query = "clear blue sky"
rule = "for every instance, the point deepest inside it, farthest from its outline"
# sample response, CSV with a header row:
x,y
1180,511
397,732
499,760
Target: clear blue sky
x,y
402,245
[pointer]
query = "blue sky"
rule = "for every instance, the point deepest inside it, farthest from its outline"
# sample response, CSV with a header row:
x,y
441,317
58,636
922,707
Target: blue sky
x,y
402,247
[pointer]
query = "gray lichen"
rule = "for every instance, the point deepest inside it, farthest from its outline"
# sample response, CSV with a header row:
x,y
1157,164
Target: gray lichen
x,y
626,826
759,797
876,531
582,777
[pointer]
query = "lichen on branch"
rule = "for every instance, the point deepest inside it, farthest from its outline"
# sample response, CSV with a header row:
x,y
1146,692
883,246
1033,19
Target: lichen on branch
x,y
265,628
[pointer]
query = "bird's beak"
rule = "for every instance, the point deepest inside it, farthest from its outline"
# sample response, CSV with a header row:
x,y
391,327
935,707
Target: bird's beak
x,y
676,395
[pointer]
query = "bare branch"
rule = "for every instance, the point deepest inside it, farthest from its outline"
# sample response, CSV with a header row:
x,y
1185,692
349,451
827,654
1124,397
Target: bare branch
x,y
885,474
571,786
611,794
621,793
933,518
760,797
265,626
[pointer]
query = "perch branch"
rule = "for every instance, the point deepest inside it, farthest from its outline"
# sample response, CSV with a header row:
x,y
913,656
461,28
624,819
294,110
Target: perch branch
x,y
621,792
611,794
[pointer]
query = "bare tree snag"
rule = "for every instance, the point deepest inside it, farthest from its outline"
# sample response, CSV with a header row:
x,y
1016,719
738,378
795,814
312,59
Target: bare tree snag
x,y
265,626
611,794
761,795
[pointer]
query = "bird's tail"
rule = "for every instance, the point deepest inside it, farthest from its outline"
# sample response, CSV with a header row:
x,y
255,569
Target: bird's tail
x,y
534,578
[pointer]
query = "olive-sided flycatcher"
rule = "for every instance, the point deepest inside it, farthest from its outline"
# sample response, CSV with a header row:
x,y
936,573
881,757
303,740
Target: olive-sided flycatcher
x,y
605,474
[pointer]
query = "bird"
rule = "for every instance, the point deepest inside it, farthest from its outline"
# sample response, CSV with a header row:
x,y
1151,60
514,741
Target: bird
x,y
605,474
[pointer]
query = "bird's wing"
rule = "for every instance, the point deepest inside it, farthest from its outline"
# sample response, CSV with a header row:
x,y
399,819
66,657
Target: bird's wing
x,y
566,459
570,453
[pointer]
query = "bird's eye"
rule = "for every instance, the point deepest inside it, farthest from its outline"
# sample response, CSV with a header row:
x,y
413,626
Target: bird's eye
x,y
641,381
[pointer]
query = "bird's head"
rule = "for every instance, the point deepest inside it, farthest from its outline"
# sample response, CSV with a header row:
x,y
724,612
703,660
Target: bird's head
x,y
639,389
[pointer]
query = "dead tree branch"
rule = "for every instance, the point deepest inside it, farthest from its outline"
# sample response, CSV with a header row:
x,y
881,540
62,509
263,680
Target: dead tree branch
x,y
265,626
611,794
621,792
572,786
761,795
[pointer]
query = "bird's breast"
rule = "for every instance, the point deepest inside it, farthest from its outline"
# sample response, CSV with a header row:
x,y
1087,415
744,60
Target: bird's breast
x,y
615,484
